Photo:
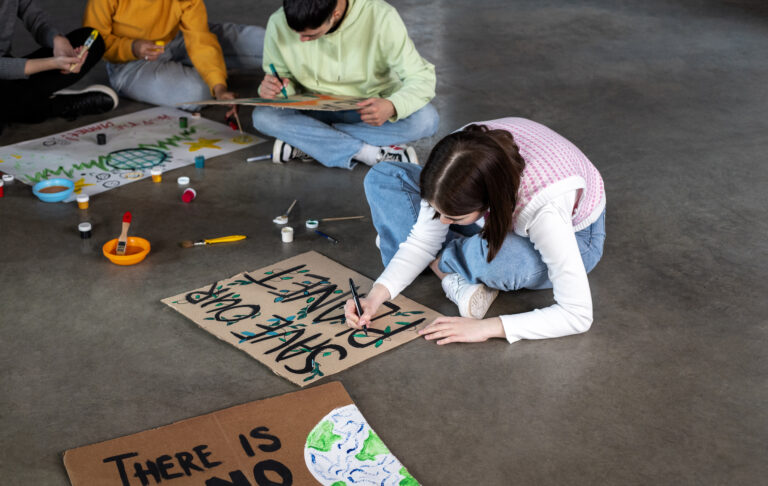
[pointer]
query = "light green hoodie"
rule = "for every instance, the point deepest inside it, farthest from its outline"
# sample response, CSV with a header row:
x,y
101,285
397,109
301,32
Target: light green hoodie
x,y
368,55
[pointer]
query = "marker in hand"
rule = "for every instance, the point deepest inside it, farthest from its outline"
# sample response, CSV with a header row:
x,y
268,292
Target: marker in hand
x,y
357,304
282,87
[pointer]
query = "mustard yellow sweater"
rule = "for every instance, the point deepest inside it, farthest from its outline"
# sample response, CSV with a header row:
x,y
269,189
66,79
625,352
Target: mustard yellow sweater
x,y
120,22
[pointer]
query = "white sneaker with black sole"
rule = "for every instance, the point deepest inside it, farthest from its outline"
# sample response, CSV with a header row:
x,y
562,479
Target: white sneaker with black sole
x,y
91,100
398,153
282,153
473,300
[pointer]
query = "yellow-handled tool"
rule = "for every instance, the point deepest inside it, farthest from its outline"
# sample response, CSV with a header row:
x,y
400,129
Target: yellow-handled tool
x,y
212,241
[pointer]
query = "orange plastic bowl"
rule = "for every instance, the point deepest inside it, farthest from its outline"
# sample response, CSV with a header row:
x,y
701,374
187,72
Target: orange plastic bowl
x,y
136,250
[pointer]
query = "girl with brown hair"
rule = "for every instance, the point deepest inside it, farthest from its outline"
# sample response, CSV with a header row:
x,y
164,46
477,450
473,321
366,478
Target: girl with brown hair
x,y
500,205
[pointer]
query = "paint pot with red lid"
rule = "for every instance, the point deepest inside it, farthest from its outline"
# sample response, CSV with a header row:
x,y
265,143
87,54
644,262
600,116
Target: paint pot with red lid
x,y
189,195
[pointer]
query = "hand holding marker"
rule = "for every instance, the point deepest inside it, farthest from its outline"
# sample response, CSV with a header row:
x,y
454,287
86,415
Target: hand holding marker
x,y
358,307
282,85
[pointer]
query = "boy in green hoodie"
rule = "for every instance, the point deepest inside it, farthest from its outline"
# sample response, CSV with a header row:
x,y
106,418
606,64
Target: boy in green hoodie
x,y
345,47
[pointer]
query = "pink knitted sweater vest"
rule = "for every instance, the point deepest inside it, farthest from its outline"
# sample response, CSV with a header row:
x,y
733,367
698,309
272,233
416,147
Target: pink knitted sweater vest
x,y
553,166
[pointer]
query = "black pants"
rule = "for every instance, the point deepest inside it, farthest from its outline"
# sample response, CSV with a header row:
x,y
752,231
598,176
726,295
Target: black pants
x,y
27,100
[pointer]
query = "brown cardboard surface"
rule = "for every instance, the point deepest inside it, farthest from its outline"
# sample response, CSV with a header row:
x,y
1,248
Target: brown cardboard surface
x,y
305,101
290,317
267,435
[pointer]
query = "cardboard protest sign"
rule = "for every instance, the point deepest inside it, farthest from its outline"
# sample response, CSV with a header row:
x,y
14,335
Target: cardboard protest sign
x,y
314,436
290,316
135,144
306,101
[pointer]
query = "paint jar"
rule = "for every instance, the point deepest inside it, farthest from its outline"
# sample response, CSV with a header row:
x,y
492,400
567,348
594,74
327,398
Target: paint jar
x,y
188,195
312,223
200,162
83,201
287,234
8,178
101,139
183,122
85,230
183,180
2,189
282,219
157,174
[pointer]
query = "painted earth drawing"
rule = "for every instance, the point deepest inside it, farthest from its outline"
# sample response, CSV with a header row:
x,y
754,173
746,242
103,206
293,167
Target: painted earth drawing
x,y
343,450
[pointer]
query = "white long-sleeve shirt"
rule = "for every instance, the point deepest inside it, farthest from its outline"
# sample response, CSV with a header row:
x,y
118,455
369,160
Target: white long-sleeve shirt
x,y
551,231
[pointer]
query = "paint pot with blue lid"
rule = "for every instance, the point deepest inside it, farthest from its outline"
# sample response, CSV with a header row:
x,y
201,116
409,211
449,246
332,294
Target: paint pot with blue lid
x,y
200,161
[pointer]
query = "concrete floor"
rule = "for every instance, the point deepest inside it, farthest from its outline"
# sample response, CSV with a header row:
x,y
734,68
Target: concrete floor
x,y
667,97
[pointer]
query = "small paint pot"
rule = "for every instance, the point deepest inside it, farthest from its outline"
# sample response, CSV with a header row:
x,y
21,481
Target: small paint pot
x,y
196,114
312,223
183,122
101,139
157,174
83,201
85,230
200,162
183,180
281,219
287,234
2,189
8,178
189,195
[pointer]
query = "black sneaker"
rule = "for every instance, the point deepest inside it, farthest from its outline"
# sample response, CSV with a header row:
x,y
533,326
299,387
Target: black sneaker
x,y
282,153
398,153
93,100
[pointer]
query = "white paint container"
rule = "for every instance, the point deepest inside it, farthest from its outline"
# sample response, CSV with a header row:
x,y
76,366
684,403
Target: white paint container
x,y
312,223
287,234
281,219
183,180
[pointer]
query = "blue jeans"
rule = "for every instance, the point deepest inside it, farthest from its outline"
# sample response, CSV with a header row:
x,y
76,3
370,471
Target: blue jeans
x,y
392,190
334,137
172,79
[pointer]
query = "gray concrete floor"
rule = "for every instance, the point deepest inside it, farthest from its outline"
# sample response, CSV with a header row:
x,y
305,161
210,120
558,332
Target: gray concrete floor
x,y
667,97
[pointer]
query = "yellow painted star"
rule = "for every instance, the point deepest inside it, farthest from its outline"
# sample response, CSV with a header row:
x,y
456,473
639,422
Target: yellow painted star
x,y
203,143
242,139
79,185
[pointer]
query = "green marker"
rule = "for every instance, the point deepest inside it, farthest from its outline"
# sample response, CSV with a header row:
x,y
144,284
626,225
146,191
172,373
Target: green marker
x,y
274,73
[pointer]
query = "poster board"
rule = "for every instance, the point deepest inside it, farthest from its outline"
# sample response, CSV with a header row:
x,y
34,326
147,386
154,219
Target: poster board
x,y
313,436
305,101
135,143
290,316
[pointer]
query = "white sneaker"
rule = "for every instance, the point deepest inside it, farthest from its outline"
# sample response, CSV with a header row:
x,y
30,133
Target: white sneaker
x,y
398,153
282,153
473,300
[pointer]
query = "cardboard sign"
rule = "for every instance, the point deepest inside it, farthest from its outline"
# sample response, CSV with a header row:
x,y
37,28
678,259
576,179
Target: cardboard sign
x,y
290,316
135,143
306,101
314,436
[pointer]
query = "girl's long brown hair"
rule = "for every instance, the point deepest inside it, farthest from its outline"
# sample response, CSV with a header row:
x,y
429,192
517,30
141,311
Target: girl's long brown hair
x,y
476,169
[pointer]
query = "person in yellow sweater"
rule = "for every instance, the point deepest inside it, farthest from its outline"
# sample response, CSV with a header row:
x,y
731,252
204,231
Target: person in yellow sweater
x,y
165,52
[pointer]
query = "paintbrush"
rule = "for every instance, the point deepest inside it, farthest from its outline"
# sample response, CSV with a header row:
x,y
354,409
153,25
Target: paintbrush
x,y
211,241
282,219
342,218
87,45
122,240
